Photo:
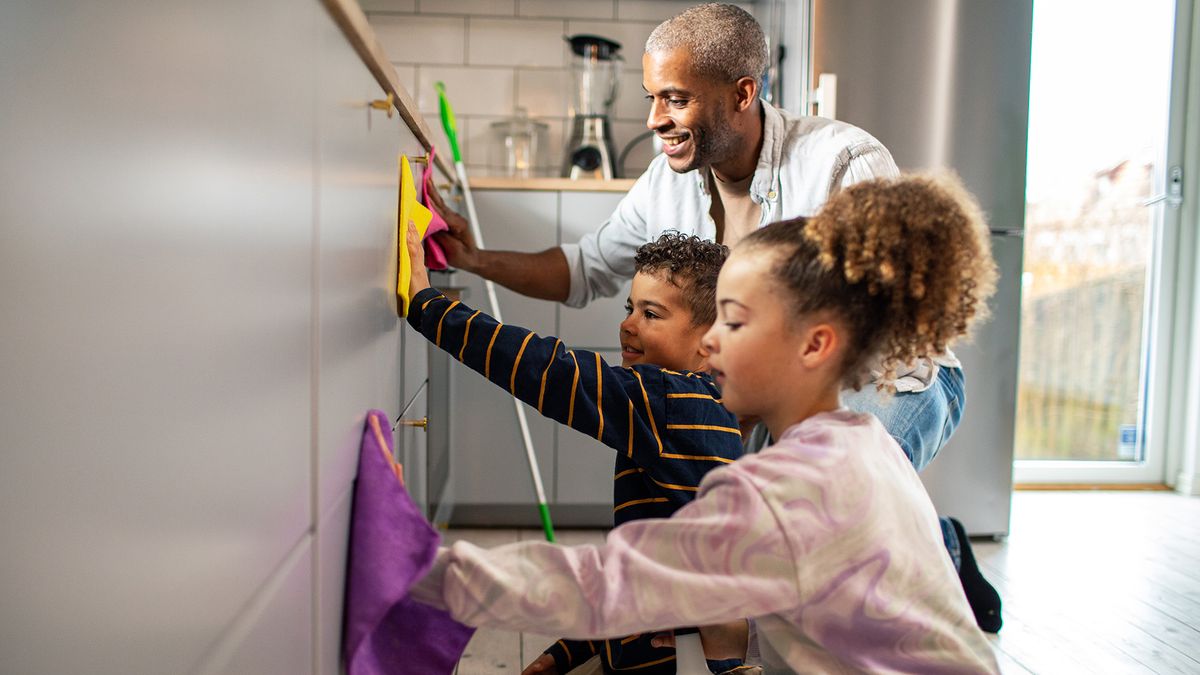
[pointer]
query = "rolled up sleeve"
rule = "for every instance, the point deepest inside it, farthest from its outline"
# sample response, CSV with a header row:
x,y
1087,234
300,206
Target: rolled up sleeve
x,y
866,161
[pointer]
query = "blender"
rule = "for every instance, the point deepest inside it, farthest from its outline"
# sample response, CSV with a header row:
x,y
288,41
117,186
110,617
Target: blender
x,y
596,72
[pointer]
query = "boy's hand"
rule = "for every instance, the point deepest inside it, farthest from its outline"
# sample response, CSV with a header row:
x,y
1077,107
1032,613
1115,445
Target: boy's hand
x,y
542,665
419,279
723,641
458,243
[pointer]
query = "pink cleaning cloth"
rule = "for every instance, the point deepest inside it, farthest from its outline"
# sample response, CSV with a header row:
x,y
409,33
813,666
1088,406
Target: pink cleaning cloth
x,y
435,257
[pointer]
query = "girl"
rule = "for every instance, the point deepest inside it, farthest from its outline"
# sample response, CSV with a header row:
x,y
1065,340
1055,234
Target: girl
x,y
826,538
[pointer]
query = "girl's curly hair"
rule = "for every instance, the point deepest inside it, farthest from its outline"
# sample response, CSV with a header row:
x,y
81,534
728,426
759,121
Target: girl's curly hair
x,y
691,264
905,263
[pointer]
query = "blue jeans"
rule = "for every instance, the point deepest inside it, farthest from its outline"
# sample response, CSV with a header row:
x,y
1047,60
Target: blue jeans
x,y
921,423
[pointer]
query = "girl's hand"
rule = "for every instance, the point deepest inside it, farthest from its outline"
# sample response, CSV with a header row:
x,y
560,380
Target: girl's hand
x,y
723,641
542,665
419,280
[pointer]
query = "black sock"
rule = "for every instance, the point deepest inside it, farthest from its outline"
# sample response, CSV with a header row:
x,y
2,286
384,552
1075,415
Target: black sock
x,y
983,598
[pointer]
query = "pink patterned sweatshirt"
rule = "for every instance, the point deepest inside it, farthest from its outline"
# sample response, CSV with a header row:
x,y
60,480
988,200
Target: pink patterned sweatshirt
x,y
826,539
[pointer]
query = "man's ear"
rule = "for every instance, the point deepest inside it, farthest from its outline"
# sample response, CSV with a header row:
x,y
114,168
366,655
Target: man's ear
x,y
820,345
747,93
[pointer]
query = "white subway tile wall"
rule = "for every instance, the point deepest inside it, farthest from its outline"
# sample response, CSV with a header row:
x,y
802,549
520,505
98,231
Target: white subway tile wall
x,y
421,39
571,9
389,5
474,7
471,90
496,55
515,42
632,105
544,93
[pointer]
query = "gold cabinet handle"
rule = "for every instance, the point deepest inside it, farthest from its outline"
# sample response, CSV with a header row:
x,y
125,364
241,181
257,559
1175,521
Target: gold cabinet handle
x,y
387,104
422,423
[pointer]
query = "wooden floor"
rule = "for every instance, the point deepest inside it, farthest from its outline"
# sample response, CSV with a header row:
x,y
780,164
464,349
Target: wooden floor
x,y
1092,582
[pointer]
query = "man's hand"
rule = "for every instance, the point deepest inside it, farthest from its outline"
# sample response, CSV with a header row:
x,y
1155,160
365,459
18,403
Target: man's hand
x,y
723,641
458,242
542,665
419,279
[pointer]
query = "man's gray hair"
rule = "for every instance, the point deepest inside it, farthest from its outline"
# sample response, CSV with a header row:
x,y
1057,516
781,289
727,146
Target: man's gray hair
x,y
724,41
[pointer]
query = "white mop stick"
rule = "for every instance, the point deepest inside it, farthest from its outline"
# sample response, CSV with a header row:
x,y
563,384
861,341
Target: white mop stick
x,y
494,304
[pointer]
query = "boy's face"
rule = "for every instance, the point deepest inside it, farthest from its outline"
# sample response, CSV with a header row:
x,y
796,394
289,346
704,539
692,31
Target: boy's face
x,y
658,326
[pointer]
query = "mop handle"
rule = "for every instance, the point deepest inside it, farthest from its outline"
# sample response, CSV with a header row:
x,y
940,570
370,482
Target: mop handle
x,y
448,124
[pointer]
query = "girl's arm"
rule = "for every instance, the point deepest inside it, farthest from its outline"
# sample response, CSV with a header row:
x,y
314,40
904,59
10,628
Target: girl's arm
x,y
720,558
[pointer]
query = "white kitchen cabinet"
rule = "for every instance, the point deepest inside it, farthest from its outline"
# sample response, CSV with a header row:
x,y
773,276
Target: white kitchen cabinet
x,y
492,485
584,470
593,326
196,276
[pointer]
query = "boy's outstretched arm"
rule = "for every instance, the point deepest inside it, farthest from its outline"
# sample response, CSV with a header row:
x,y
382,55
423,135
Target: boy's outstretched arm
x,y
622,408
573,387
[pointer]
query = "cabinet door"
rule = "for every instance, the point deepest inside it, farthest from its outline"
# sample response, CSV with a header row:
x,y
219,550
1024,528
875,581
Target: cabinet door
x,y
594,326
584,467
359,337
273,632
516,220
487,455
411,447
156,284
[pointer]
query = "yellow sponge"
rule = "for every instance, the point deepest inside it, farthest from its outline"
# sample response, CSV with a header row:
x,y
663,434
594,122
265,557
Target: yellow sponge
x,y
410,209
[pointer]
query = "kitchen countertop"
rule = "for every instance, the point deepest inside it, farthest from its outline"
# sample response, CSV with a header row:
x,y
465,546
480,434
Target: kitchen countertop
x,y
551,184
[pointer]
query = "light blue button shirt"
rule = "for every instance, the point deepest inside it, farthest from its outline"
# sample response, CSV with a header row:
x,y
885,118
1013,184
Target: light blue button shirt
x,y
803,161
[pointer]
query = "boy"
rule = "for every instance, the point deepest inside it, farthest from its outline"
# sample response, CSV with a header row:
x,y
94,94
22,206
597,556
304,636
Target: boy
x,y
659,410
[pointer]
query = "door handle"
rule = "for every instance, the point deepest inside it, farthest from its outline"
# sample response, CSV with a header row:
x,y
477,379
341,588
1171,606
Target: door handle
x,y
422,423
1174,194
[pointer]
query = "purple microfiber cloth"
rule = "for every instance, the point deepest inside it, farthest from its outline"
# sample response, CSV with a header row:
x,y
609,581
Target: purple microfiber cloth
x,y
435,257
391,547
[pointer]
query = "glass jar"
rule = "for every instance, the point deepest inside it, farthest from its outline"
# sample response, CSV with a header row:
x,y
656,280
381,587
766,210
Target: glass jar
x,y
518,145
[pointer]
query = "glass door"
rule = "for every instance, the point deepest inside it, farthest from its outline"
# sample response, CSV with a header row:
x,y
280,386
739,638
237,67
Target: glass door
x,y
1097,219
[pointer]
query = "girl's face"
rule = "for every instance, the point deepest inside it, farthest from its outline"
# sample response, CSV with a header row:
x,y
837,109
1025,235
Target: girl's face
x,y
754,352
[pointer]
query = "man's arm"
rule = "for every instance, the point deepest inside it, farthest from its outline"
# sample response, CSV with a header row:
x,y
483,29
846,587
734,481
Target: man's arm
x,y
598,263
865,162
543,275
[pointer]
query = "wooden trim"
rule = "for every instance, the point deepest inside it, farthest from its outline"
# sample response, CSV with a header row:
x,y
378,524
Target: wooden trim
x,y
1078,487
552,184
348,15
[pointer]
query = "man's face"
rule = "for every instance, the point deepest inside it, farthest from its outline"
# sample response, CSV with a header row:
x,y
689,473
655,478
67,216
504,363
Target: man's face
x,y
658,326
691,113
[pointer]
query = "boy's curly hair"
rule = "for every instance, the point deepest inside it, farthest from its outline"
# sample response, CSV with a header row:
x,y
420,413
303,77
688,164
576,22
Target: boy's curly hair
x,y
691,264
905,263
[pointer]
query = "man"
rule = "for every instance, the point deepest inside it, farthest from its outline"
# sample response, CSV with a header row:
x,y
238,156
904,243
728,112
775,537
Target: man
x,y
731,164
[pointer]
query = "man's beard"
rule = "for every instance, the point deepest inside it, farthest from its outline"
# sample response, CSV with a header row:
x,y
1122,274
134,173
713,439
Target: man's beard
x,y
712,142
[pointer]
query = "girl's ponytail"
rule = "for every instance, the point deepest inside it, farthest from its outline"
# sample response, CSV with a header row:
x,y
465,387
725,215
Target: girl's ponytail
x,y
905,263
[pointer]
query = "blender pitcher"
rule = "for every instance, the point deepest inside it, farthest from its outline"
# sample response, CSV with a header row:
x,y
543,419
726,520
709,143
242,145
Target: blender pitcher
x,y
596,70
